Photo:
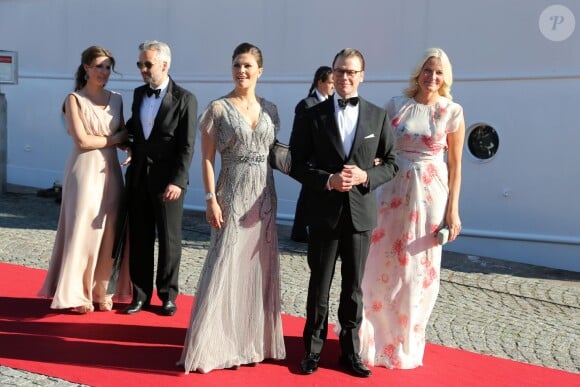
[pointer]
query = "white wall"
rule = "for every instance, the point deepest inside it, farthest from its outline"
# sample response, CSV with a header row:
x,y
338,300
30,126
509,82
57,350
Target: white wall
x,y
507,74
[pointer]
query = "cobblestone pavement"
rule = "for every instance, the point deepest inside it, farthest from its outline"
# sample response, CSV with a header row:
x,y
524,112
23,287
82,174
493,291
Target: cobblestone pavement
x,y
504,309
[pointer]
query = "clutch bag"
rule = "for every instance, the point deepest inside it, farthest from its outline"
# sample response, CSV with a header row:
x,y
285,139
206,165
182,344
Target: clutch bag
x,y
280,158
443,236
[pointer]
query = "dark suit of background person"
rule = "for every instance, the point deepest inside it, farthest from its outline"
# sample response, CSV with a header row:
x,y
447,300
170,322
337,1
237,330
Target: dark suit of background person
x,y
321,88
340,217
307,102
157,178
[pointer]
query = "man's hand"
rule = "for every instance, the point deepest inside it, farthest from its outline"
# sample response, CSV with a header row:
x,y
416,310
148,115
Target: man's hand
x,y
340,182
350,176
127,160
358,176
172,192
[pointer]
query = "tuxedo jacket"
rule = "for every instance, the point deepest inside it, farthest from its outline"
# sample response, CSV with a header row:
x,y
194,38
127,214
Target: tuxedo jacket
x,y
317,152
165,157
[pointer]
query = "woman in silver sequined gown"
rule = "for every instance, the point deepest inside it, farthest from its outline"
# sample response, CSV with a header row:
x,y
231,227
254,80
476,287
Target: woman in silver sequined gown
x,y
236,319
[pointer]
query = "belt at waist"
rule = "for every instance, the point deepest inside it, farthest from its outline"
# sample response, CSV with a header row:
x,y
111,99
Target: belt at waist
x,y
249,158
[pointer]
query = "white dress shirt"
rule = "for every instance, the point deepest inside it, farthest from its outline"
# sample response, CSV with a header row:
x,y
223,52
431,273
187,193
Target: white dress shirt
x,y
320,97
150,107
346,120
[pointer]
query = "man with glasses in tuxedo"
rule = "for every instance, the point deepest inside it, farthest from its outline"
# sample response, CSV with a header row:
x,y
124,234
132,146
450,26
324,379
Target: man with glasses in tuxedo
x,y
162,131
334,145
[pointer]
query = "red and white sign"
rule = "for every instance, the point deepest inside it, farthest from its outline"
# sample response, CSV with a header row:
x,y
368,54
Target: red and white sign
x,y
8,67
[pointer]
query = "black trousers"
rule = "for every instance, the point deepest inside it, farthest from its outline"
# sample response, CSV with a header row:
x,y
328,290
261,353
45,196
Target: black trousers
x,y
324,247
151,217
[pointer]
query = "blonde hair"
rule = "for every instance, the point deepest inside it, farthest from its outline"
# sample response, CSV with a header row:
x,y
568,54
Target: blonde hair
x,y
350,52
445,89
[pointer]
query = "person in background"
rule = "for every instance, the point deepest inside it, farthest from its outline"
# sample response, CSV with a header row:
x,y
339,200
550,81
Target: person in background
x,y
237,319
401,280
321,88
334,145
162,129
82,257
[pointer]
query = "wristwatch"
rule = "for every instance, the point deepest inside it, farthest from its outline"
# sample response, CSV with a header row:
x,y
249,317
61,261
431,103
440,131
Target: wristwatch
x,y
209,195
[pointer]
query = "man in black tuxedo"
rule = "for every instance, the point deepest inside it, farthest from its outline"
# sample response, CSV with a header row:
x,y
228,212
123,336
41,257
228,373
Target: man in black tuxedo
x,y
321,89
334,146
162,128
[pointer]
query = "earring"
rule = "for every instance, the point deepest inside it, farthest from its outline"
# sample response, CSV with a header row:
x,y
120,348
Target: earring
x,y
86,76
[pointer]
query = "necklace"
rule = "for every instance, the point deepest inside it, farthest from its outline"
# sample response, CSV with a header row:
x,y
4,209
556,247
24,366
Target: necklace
x,y
244,103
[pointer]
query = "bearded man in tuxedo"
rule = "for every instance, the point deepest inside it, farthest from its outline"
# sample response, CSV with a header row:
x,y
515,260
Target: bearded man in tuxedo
x,y
162,127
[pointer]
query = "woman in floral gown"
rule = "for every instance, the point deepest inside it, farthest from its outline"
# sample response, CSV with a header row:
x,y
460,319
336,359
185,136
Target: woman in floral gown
x,y
401,279
236,319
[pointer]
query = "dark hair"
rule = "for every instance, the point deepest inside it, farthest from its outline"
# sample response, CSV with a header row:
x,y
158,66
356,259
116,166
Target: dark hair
x,y
321,74
87,57
348,52
245,48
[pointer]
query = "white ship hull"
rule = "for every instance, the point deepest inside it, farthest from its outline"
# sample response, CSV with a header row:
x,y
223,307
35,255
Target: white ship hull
x,y
515,71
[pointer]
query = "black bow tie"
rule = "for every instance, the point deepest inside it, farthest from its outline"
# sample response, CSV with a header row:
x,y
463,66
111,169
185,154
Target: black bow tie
x,y
151,91
343,102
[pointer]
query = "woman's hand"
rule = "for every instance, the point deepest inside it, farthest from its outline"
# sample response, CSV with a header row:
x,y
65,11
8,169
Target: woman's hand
x,y
454,224
213,214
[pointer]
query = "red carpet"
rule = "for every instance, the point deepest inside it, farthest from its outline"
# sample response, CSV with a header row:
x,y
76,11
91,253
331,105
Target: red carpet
x,y
112,349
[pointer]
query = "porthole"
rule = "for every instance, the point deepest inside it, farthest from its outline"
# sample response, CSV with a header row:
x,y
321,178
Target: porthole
x,y
482,141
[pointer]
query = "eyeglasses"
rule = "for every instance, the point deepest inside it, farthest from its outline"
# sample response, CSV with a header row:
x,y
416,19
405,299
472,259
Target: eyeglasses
x,y
349,73
147,64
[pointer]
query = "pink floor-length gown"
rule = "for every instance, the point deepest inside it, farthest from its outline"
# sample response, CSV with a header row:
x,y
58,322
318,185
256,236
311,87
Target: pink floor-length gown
x,y
81,263
401,280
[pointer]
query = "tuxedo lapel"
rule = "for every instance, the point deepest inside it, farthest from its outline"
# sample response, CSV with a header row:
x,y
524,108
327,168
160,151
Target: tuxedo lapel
x,y
331,127
362,126
164,108
139,95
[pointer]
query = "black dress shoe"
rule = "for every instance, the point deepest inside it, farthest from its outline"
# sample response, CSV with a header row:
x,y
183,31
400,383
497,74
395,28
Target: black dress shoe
x,y
354,365
168,308
135,307
309,364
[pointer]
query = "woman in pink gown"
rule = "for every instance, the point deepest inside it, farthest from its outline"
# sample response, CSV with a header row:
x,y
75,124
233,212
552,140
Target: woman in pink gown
x,y
81,265
401,279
